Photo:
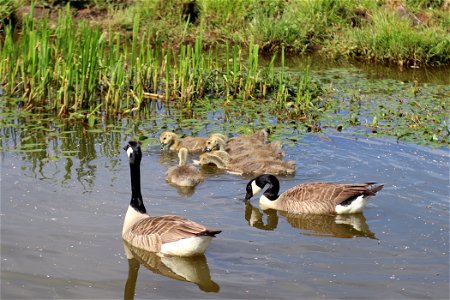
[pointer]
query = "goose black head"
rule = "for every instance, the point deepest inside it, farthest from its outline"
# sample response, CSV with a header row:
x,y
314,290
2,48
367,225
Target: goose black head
x,y
251,189
257,184
134,152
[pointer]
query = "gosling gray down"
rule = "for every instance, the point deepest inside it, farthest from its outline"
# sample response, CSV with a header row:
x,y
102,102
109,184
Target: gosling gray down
x,y
184,174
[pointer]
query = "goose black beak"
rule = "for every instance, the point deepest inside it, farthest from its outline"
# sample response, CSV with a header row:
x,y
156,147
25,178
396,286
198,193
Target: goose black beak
x,y
248,195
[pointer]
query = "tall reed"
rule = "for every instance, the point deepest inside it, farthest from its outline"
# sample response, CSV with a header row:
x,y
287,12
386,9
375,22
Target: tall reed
x,y
76,68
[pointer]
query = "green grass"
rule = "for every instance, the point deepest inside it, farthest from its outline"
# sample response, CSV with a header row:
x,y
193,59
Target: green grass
x,y
392,40
336,28
76,68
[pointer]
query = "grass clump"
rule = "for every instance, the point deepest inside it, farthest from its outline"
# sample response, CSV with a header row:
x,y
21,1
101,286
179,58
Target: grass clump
x,y
394,40
75,68
332,27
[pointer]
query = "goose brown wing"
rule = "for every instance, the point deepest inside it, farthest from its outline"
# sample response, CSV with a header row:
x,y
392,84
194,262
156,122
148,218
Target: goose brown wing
x,y
150,233
335,193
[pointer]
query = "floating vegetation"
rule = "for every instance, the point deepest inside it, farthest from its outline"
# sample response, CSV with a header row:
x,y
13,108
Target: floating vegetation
x,y
79,71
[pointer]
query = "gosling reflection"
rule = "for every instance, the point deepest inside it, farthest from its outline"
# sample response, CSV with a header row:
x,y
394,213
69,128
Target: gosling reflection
x,y
341,226
191,269
186,191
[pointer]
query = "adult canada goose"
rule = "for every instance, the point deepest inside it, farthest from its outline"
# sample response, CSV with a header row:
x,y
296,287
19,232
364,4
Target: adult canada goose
x,y
167,235
171,141
314,197
184,174
249,165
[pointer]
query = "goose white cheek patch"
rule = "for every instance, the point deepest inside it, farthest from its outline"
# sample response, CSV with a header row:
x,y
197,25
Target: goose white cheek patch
x,y
255,189
129,151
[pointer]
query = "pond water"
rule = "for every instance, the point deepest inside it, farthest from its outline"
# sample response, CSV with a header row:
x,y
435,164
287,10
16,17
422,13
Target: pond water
x,y
63,199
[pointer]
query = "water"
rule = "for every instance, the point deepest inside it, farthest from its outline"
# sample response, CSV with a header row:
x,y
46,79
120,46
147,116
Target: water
x,y
61,225
65,188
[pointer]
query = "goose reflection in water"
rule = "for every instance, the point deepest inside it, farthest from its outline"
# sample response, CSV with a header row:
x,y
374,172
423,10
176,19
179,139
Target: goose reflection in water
x,y
341,226
191,269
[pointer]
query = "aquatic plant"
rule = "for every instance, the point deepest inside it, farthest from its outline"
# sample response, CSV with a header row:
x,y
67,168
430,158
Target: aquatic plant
x,y
76,68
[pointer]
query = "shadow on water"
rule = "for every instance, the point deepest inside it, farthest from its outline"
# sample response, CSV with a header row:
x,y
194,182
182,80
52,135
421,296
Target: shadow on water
x,y
190,269
341,226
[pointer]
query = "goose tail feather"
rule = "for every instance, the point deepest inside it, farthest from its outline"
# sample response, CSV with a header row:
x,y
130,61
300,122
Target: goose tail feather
x,y
373,187
211,233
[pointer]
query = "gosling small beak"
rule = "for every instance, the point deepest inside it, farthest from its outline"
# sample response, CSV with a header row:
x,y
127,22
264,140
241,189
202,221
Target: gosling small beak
x,y
164,146
207,149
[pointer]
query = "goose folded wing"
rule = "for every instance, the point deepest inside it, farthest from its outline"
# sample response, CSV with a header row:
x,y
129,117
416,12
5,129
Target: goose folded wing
x,y
155,231
326,192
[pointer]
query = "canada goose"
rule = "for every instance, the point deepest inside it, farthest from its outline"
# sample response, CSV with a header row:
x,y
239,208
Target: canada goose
x,y
183,174
313,198
257,154
221,155
214,143
259,137
220,142
273,166
171,141
210,159
273,150
167,235
249,166
218,135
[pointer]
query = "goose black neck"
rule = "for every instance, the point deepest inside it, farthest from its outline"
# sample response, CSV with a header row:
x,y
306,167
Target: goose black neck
x,y
273,186
136,196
